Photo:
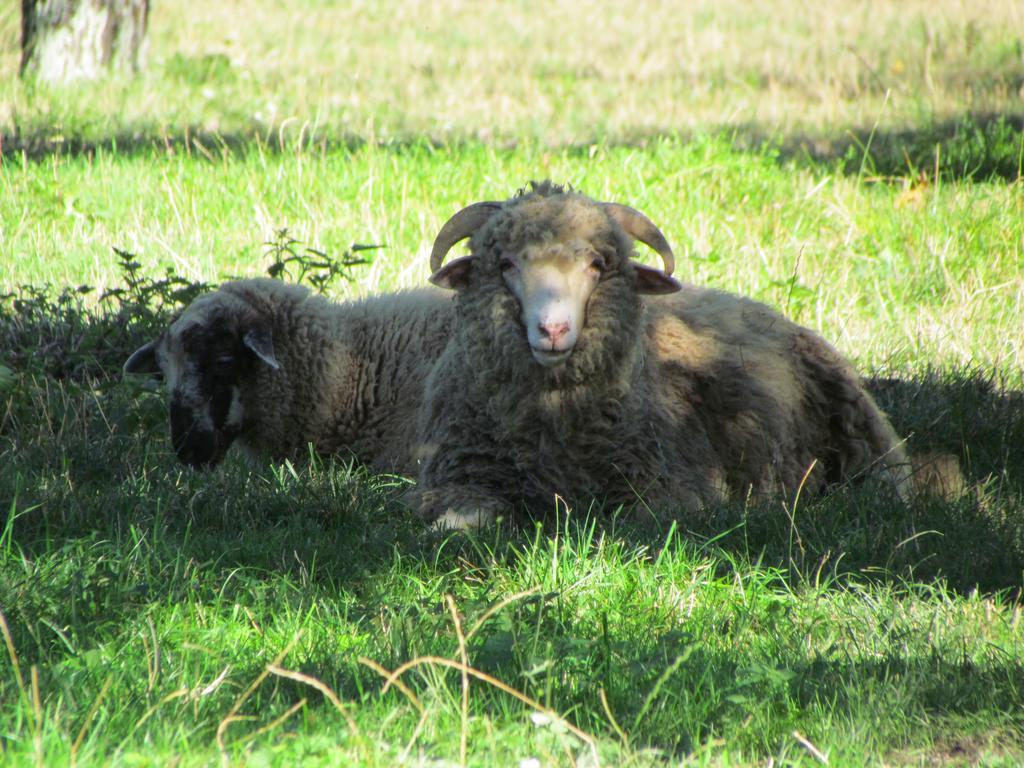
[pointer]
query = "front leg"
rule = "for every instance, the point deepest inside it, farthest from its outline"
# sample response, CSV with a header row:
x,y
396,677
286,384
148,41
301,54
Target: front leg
x,y
461,487
465,474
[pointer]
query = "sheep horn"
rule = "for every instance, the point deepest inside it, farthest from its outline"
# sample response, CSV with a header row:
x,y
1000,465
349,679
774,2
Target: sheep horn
x,y
459,227
639,227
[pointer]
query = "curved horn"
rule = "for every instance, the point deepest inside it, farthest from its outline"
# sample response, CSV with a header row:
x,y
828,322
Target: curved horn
x,y
459,227
639,227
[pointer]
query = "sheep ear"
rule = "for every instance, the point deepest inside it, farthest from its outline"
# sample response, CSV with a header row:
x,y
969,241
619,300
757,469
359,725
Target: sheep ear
x,y
454,275
653,281
142,360
261,342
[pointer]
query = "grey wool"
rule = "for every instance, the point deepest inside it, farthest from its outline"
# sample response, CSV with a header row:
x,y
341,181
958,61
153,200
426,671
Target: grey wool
x,y
679,400
273,367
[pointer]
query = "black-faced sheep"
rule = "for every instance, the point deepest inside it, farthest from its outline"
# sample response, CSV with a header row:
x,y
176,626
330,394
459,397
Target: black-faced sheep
x,y
273,367
567,374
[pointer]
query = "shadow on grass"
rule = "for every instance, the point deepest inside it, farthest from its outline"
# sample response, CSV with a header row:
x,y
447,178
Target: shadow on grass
x,y
137,532
975,146
109,529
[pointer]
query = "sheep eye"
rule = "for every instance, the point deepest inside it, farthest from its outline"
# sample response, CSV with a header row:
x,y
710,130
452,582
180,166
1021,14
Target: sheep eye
x,y
506,264
225,361
598,264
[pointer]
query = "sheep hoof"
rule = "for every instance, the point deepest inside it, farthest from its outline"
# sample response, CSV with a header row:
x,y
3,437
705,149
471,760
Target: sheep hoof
x,y
464,520
456,508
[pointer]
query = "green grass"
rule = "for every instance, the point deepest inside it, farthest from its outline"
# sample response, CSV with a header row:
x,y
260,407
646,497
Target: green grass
x,y
149,601
857,168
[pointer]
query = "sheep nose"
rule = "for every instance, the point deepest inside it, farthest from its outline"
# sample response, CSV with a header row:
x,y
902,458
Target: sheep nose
x,y
553,332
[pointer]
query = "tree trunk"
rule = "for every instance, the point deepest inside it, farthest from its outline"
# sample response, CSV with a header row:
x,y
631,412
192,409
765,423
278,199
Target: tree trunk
x,y
65,40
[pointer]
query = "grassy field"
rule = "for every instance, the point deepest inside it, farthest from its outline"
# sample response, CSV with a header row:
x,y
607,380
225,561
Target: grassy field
x,y
855,165
452,69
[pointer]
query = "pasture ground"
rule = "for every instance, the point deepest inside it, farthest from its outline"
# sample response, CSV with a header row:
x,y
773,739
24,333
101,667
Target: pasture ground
x,y
859,169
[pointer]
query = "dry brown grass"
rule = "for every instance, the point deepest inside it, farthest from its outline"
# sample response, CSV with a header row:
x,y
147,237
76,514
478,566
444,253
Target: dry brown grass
x,y
569,71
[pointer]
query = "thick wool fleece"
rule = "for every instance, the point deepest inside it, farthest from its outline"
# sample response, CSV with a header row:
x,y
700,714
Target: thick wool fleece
x,y
680,401
351,375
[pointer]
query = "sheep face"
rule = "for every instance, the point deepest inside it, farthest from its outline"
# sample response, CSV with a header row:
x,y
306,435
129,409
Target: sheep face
x,y
555,251
552,284
205,357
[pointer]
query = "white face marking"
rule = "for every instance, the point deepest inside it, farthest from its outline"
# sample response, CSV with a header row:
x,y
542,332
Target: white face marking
x,y
235,415
191,395
172,363
553,286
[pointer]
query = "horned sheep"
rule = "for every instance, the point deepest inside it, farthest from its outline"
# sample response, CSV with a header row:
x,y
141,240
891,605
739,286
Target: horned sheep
x,y
273,367
574,370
